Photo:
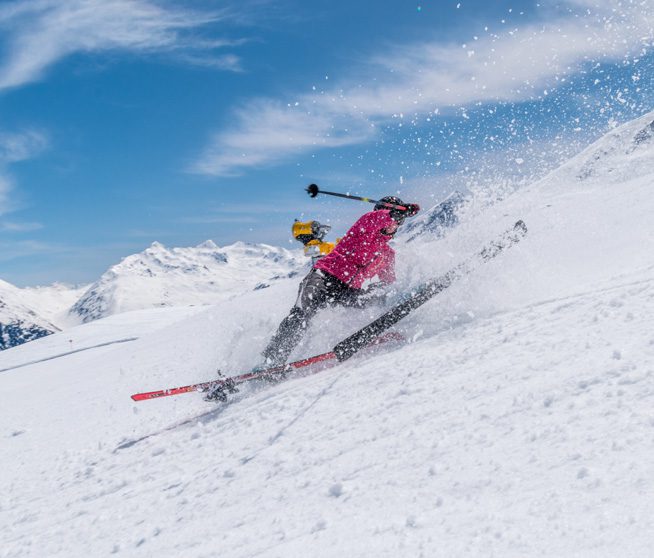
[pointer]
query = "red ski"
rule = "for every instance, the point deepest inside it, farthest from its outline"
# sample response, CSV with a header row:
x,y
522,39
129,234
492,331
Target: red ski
x,y
329,358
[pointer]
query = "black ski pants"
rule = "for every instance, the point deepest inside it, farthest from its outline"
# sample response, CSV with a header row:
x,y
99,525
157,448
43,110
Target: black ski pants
x,y
317,290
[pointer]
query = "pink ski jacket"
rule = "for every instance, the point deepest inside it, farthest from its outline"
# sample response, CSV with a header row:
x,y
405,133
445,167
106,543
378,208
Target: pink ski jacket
x,y
363,252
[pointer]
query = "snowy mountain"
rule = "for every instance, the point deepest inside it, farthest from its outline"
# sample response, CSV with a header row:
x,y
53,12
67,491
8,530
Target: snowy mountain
x,y
204,274
435,221
517,421
156,277
53,302
18,322
625,152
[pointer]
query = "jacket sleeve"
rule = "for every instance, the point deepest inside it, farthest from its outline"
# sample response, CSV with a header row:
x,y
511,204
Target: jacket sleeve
x,y
387,273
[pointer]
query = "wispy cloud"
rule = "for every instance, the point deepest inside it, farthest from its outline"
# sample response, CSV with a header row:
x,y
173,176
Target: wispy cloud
x,y
217,219
38,33
26,249
8,226
227,62
268,130
6,186
250,213
514,64
15,147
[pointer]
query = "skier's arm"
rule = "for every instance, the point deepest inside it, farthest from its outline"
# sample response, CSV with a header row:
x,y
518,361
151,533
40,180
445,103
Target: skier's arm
x,y
387,273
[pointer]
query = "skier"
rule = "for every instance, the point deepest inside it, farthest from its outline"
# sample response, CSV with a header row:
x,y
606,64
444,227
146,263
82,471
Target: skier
x,y
338,277
312,234
218,390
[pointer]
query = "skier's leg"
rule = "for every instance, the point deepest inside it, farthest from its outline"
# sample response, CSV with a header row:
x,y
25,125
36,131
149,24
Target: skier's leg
x,y
312,295
288,335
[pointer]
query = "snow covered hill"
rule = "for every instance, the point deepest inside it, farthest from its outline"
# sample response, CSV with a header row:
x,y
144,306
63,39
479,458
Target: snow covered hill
x,y
518,422
161,276
435,221
19,323
53,302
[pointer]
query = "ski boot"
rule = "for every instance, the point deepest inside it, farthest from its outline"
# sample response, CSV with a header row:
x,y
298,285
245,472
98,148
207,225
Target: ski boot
x,y
220,391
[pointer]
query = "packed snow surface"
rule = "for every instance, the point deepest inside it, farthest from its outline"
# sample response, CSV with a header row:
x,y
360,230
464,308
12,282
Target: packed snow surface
x,y
518,421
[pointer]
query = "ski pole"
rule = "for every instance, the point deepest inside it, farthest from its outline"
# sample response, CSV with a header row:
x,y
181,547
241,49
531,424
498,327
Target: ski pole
x,y
313,191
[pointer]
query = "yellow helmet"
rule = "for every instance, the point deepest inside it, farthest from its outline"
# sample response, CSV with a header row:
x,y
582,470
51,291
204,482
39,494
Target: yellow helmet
x,y
306,231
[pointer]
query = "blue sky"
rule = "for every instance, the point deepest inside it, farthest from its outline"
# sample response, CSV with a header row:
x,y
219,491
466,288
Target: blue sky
x,y
123,122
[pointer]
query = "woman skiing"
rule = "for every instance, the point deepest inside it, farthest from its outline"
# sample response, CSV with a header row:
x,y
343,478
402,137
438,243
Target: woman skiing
x,y
338,278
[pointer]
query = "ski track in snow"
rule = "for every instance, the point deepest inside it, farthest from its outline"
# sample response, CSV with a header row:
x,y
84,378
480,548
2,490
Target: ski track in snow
x,y
105,344
519,422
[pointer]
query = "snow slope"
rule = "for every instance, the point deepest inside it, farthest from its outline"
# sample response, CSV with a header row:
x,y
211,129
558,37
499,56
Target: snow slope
x,y
518,422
